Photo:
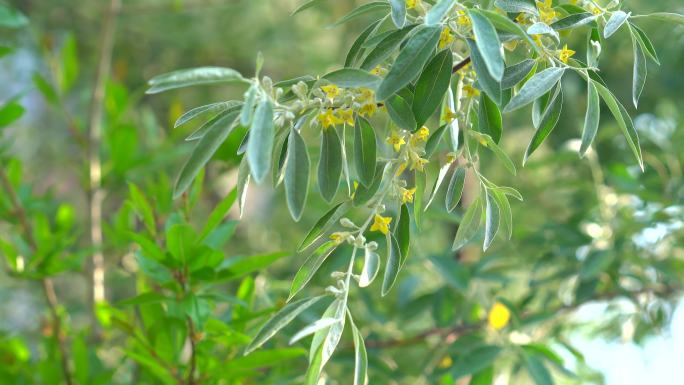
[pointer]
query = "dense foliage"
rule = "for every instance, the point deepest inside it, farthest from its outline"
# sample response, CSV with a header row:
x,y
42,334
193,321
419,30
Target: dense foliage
x,y
412,269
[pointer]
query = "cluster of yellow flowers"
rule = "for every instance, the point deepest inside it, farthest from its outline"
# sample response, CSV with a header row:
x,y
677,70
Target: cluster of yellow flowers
x,y
331,116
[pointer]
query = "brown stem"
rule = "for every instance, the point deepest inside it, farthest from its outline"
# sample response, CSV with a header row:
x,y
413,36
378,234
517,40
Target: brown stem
x,y
95,191
460,65
48,285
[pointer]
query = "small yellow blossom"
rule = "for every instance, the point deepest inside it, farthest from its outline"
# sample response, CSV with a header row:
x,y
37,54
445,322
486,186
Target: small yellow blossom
x,y
418,163
470,91
331,91
445,38
365,95
402,168
546,11
537,39
511,45
410,4
381,224
596,10
337,237
368,109
328,118
407,195
522,19
379,71
449,115
498,317
463,20
396,140
420,136
346,115
446,362
565,54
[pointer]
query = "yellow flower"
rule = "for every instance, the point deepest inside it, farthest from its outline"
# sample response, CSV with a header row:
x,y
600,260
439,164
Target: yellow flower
x,y
565,54
368,109
378,71
446,362
396,140
420,136
381,224
596,10
407,195
328,119
537,39
337,237
365,95
445,38
546,11
521,18
346,116
463,20
449,116
402,168
498,317
410,4
331,91
470,91
418,163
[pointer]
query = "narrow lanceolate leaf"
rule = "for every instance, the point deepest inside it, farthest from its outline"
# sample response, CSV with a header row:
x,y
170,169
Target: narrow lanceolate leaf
x,y
193,77
505,211
575,20
296,175
437,12
306,6
313,328
360,354
539,373
431,86
361,10
438,183
516,73
674,18
486,81
490,121
434,141
310,267
279,320
330,164
548,122
208,109
365,193
640,70
591,120
488,141
365,149
491,220
385,48
371,266
488,44
248,106
400,112
398,12
469,225
205,149
537,86
357,48
261,137
623,119
242,184
324,224
410,61
646,44
393,264
614,23
455,190
353,78
517,6
403,233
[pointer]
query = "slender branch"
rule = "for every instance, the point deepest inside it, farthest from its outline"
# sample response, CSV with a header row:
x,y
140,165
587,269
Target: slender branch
x,y
47,284
460,65
95,191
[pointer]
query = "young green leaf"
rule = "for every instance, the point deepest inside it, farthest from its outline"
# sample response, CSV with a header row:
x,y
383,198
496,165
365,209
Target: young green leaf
x,y
617,19
506,212
438,183
640,70
663,16
540,28
434,140
361,10
364,151
310,267
421,182
431,86
242,184
218,214
573,21
455,190
646,43
353,78
393,264
248,106
330,164
591,119
537,86
205,149
410,61
469,226
398,12
438,11
213,108
261,136
385,48
193,77
517,6
517,73
357,48
400,112
321,226
279,320
371,266
360,354
488,44
296,175
403,234
492,220
548,122
313,327
486,82
489,115
365,193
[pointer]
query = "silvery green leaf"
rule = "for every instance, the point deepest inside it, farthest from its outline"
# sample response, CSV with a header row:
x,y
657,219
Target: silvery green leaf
x,y
310,267
574,20
193,77
296,180
438,182
361,10
491,220
591,120
313,328
248,106
646,43
385,48
488,44
213,108
540,28
470,224
371,266
353,78
484,79
534,88
517,6
330,164
548,122
242,184
617,19
517,73
437,12
365,149
398,12
393,264
431,86
260,145
279,320
663,16
455,190
640,70
400,112
506,213
360,355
